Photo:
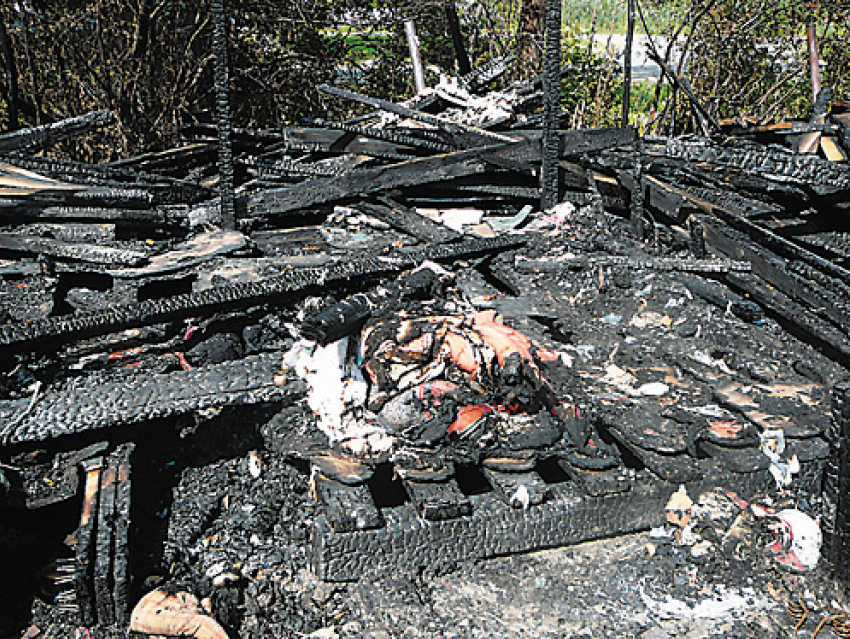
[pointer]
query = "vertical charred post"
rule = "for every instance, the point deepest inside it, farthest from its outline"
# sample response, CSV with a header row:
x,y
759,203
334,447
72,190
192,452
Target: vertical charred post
x,y
836,492
463,64
627,64
225,125
552,104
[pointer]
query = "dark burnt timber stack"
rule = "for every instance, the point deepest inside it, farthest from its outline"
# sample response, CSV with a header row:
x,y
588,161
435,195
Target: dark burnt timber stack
x,y
698,287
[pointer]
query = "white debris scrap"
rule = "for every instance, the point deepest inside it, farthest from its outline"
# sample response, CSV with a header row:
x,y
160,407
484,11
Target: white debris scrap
x,y
337,394
773,445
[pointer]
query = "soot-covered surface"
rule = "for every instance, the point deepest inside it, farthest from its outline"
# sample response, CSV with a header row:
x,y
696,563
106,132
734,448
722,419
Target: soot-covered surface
x,y
223,510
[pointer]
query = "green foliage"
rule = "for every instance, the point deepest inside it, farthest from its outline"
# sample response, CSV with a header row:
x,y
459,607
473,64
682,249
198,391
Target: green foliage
x,y
747,58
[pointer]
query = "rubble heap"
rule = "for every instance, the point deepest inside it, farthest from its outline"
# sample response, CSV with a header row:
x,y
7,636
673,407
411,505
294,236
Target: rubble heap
x,y
391,345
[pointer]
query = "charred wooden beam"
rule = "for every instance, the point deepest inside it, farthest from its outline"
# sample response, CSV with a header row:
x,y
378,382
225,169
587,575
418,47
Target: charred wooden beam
x,y
65,328
221,78
774,270
84,540
96,404
19,244
836,490
164,189
40,137
717,265
360,182
821,177
486,73
823,333
549,182
735,211
102,571
493,528
20,211
408,220
463,64
387,135
581,141
121,577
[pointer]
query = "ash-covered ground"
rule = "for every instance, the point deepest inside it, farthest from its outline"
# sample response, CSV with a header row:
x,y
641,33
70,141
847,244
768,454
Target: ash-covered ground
x,y
222,510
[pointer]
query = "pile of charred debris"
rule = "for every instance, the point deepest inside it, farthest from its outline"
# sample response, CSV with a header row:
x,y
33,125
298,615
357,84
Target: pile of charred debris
x,y
360,347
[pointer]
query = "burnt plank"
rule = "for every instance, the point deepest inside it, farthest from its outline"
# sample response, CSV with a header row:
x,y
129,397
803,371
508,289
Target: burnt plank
x,y
102,574
347,507
518,490
19,244
579,141
774,270
794,313
40,137
121,557
408,220
361,182
734,213
437,500
84,537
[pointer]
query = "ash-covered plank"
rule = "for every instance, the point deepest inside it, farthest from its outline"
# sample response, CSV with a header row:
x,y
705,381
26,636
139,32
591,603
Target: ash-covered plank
x,y
40,137
437,500
361,182
121,557
408,220
84,540
347,507
518,490
102,573
89,403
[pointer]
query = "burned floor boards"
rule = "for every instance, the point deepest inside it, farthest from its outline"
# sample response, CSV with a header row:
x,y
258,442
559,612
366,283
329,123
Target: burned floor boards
x,y
512,512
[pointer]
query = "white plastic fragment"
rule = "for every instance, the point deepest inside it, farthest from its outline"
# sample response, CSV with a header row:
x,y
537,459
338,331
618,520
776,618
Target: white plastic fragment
x,y
652,389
